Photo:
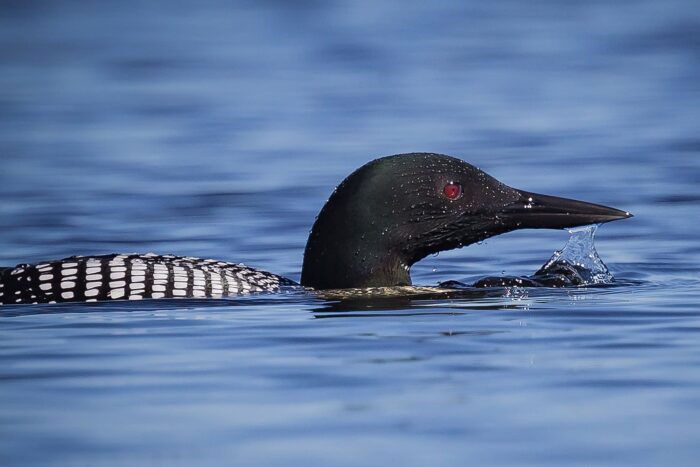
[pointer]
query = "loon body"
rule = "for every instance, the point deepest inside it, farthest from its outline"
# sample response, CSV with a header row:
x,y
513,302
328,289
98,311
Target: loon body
x,y
132,277
380,220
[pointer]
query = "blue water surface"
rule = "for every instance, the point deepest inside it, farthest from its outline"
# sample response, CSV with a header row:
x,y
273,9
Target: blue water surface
x,y
218,129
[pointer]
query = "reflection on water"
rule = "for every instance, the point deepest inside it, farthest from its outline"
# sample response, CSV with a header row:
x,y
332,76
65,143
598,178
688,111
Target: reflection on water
x,y
218,129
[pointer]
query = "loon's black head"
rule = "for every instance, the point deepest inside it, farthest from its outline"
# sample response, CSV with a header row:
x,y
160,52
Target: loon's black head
x,y
396,210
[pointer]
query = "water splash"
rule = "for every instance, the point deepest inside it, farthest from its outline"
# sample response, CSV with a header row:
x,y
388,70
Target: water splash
x,y
575,265
578,261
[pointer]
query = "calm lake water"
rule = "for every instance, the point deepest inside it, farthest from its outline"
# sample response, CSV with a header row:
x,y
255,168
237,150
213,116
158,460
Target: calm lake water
x,y
219,131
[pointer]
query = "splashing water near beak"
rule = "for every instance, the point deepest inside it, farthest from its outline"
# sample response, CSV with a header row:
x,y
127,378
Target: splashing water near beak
x,y
575,265
580,258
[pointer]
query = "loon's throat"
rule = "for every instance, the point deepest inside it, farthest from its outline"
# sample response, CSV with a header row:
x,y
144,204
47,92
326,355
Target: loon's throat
x,y
335,260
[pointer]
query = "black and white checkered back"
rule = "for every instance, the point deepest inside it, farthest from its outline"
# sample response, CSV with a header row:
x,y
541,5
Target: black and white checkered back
x,y
131,277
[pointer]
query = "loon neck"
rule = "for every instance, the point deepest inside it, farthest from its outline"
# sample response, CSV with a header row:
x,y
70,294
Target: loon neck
x,y
338,257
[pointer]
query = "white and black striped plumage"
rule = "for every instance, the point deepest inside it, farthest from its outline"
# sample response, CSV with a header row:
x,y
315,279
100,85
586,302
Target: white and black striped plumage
x,y
131,277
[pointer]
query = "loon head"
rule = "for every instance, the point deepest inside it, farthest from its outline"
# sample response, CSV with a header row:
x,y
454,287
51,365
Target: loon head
x,y
396,210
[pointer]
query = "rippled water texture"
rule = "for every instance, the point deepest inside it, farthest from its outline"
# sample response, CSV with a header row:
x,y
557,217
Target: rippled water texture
x,y
218,131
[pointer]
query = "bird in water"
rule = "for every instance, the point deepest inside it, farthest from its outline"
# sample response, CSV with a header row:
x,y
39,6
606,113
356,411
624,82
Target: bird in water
x,y
383,218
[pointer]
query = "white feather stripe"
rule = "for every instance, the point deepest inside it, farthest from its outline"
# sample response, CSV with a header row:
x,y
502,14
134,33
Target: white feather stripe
x,y
116,293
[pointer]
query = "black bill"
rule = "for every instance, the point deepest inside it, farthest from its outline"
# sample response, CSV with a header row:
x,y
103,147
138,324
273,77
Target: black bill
x,y
536,211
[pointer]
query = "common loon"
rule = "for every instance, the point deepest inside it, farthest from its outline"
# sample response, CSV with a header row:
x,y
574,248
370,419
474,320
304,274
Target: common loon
x,y
380,220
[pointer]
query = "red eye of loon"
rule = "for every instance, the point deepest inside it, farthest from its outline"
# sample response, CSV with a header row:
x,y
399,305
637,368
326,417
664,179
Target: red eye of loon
x,y
452,190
